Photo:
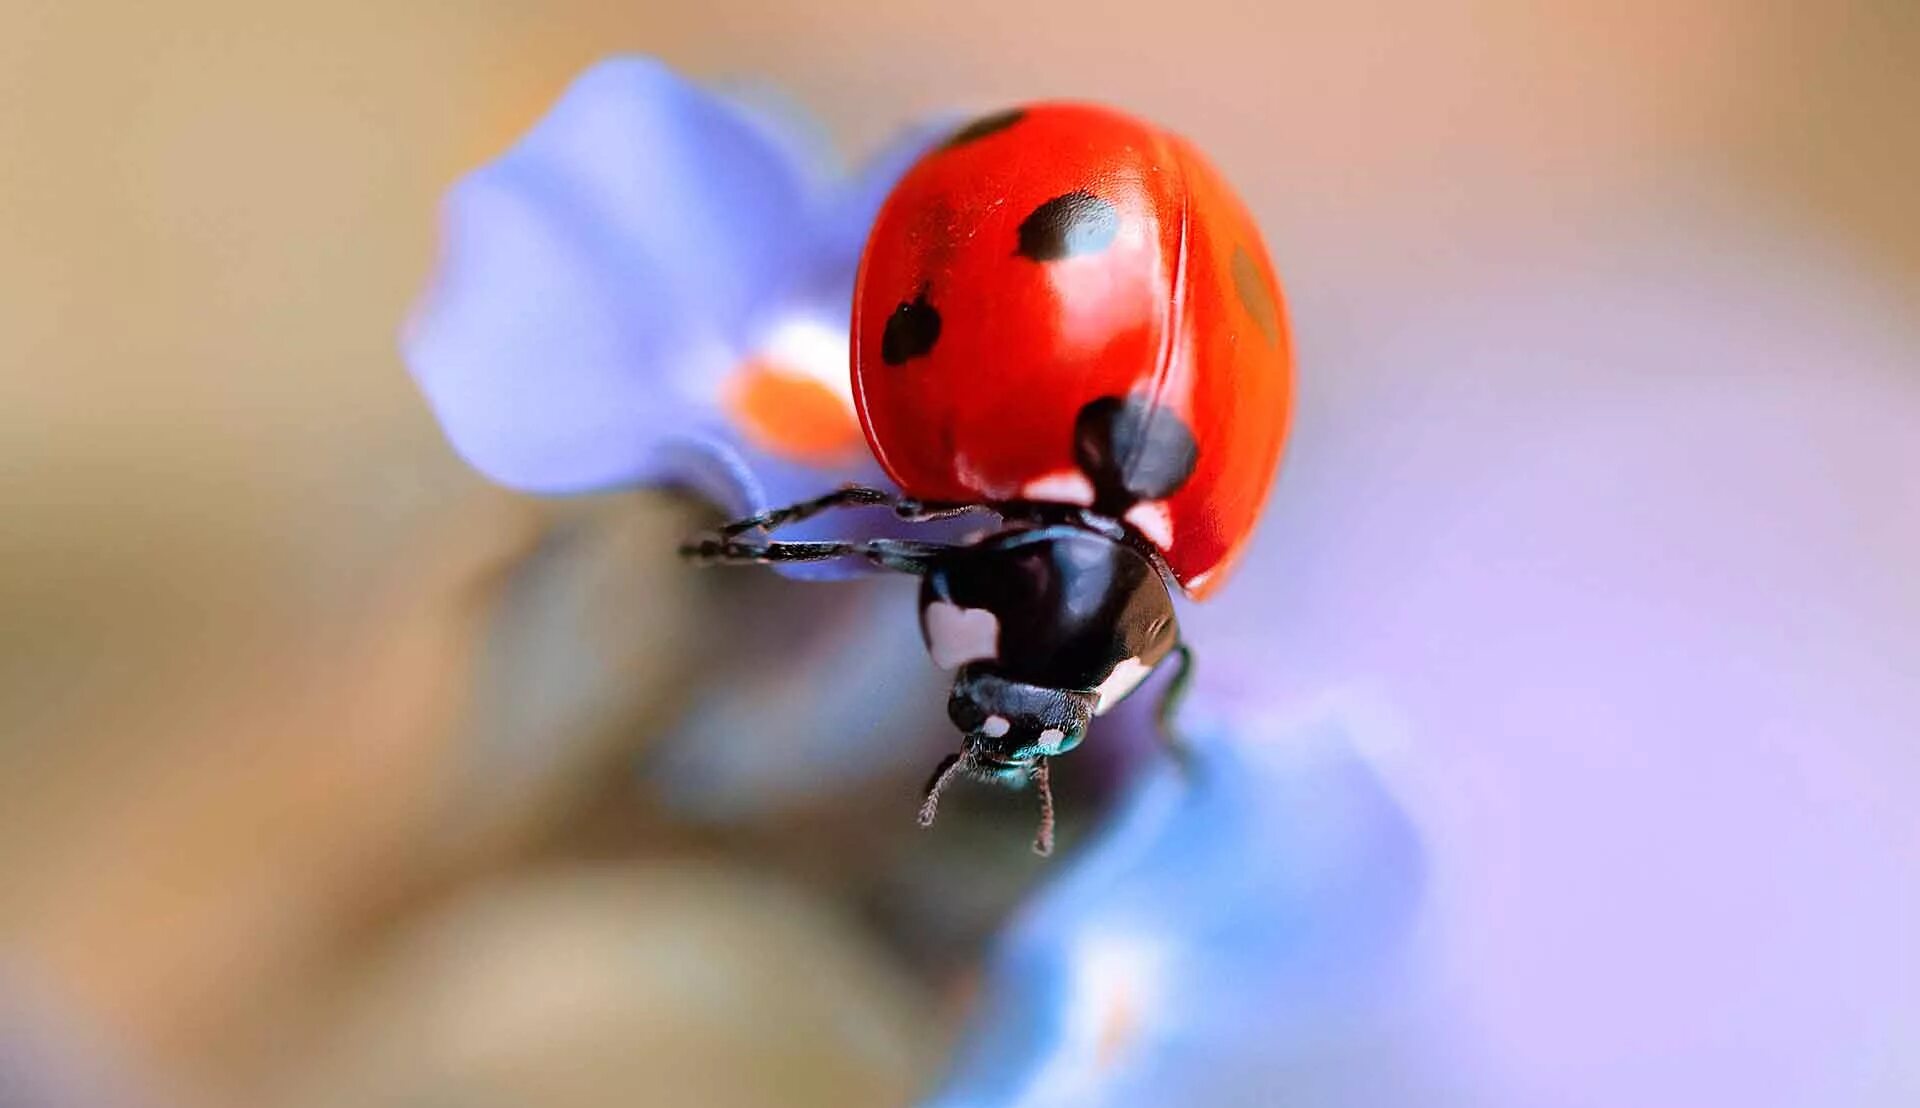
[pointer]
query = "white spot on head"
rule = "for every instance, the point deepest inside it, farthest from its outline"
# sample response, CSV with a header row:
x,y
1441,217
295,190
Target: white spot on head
x,y
1125,678
1151,518
1062,486
956,635
1052,736
995,727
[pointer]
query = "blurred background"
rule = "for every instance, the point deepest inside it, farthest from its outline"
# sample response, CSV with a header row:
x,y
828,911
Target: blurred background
x,y
329,775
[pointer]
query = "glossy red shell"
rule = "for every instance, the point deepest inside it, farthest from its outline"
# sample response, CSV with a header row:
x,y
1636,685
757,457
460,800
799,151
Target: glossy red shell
x,y
978,340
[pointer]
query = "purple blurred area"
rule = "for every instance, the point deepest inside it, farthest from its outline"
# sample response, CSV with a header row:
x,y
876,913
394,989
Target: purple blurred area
x,y
1575,675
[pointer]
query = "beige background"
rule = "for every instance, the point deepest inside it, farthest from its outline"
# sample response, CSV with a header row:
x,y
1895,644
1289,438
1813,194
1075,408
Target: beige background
x,y
242,580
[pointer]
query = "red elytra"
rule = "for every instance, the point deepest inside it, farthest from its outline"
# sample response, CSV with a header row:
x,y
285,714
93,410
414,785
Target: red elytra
x,y
1051,257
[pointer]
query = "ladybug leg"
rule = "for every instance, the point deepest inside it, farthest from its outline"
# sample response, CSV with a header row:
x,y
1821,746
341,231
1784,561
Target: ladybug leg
x,y
894,554
928,511
1165,712
852,496
903,555
727,546
726,551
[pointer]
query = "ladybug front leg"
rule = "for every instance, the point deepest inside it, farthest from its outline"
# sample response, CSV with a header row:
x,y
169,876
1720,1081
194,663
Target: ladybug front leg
x,y
851,496
898,555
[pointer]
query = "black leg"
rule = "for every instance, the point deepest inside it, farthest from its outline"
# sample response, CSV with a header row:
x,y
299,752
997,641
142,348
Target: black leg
x,y
1166,712
726,546
902,555
928,511
894,554
852,496
726,551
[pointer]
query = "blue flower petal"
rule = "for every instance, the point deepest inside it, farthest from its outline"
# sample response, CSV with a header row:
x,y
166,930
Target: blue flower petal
x,y
604,282
1200,952
600,279
1641,647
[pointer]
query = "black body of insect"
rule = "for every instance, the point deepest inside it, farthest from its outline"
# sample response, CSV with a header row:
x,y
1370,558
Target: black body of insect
x,y
1049,620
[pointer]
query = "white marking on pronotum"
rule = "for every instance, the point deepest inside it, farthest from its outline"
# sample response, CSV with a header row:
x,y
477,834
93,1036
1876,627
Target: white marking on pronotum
x,y
996,727
1062,486
1153,520
1125,678
1052,736
956,635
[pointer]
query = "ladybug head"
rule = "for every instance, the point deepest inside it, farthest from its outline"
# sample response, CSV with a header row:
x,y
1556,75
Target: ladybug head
x,y
1011,729
1010,725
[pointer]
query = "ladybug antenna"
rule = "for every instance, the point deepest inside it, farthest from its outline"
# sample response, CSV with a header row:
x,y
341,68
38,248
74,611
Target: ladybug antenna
x,y
1043,839
930,799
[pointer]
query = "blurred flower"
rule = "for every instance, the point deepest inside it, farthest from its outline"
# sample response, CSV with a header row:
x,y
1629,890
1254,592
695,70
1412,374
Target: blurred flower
x,y
1639,583
1629,581
653,287
1629,559
1227,941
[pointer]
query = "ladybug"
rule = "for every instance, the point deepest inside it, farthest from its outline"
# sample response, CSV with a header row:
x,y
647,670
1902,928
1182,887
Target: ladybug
x,y
1063,315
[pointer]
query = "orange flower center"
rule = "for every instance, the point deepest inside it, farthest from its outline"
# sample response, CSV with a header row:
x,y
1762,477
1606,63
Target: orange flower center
x,y
791,414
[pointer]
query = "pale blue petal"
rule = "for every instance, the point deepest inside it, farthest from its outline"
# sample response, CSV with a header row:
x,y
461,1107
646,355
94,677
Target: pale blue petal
x,y
601,281
1207,947
1643,599
600,278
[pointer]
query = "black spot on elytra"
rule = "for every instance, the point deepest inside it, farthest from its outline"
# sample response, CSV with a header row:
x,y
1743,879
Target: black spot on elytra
x,y
984,126
1077,223
1132,450
1254,296
911,331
